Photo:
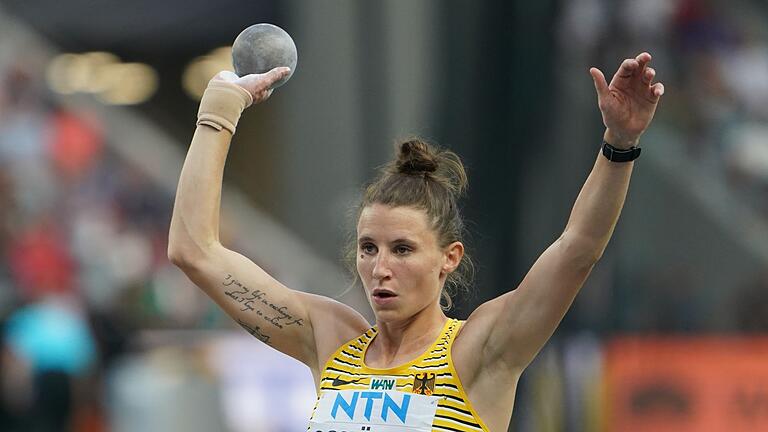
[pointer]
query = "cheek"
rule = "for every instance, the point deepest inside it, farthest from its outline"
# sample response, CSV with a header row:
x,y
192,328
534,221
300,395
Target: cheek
x,y
363,268
426,271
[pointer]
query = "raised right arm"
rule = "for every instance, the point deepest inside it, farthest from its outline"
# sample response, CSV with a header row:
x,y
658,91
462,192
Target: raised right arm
x,y
304,326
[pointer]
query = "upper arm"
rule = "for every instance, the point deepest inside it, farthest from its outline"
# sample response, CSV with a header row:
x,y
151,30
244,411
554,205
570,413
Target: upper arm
x,y
517,324
278,316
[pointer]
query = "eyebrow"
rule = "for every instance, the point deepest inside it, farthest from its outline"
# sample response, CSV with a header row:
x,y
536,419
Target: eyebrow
x,y
396,241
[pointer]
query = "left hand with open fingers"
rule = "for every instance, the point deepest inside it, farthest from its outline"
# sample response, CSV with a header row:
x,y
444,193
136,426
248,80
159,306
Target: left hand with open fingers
x,y
629,102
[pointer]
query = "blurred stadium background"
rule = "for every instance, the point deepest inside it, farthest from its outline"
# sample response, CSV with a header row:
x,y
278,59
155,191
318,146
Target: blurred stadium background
x,y
98,103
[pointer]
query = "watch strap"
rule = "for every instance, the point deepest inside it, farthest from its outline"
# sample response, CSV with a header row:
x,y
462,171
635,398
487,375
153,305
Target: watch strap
x,y
614,154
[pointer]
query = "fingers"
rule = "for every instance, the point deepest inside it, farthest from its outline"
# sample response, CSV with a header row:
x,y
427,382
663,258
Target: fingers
x,y
649,73
636,73
633,66
627,68
600,84
657,90
643,59
266,94
276,75
648,76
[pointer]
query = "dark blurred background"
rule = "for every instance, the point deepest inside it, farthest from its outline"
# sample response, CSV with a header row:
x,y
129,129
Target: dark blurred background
x,y
97,106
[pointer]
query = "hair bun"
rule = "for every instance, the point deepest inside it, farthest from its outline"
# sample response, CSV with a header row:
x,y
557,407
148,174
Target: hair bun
x,y
415,158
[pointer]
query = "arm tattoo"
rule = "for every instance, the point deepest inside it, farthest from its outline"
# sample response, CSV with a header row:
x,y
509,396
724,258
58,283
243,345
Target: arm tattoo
x,y
255,331
256,301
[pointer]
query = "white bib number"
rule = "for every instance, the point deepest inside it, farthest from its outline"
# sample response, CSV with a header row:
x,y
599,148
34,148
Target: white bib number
x,y
373,411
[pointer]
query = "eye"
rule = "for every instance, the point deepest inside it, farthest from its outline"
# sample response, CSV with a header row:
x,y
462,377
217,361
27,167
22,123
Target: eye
x,y
402,249
368,248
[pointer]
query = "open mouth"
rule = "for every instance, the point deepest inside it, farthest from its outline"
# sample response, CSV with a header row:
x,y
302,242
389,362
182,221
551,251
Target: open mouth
x,y
383,294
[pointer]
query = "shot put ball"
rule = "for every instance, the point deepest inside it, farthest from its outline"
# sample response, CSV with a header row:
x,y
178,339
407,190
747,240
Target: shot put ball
x,y
262,47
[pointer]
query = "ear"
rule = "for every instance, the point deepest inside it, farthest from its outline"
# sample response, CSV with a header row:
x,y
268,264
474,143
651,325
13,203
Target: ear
x,y
452,255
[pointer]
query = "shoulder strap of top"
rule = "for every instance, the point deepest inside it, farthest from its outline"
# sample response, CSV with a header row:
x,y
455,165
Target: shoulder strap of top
x,y
357,345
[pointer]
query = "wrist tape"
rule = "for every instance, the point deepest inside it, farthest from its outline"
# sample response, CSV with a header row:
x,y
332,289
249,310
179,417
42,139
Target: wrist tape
x,y
222,104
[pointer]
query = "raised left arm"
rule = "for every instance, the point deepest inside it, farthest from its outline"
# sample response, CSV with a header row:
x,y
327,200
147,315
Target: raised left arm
x,y
517,324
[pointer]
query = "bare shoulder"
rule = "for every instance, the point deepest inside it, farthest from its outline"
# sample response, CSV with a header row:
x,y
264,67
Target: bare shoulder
x,y
333,323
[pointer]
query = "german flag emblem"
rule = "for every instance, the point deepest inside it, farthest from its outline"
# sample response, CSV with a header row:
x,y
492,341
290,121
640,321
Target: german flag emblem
x,y
424,384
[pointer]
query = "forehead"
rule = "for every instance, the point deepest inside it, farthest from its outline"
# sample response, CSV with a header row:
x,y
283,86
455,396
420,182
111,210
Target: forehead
x,y
383,221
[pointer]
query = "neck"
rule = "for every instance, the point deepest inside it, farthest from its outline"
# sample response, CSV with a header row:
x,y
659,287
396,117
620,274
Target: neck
x,y
408,337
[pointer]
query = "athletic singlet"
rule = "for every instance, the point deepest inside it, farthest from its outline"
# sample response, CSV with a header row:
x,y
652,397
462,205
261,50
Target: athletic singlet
x,y
423,395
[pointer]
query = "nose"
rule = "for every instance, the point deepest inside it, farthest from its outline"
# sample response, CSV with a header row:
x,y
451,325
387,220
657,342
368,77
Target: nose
x,y
381,269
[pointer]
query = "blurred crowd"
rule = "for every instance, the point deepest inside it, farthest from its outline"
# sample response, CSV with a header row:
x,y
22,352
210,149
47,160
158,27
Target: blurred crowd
x,y
82,238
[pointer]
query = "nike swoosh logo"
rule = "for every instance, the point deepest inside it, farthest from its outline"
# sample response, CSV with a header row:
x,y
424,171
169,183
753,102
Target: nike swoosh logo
x,y
340,382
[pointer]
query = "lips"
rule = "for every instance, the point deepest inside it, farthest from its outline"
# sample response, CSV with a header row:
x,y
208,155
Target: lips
x,y
383,297
383,293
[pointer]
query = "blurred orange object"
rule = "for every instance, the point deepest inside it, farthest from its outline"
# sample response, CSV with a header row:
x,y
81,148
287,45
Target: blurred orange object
x,y
708,384
77,143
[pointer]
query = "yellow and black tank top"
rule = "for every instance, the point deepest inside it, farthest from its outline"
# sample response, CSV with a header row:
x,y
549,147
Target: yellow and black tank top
x,y
423,395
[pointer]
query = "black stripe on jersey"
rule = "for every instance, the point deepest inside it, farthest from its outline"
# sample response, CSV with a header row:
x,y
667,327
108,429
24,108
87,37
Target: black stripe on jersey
x,y
354,356
346,363
355,348
468,413
437,366
447,396
440,357
459,421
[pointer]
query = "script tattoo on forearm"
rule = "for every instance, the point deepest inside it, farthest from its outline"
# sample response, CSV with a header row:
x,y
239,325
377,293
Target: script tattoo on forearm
x,y
256,301
255,331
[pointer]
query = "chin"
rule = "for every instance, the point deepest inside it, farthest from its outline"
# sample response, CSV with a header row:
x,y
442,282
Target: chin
x,y
388,314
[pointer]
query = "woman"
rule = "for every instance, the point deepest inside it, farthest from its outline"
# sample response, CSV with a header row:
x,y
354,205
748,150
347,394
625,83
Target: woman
x,y
416,370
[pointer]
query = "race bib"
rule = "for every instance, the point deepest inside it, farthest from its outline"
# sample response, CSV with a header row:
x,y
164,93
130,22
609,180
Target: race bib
x,y
373,411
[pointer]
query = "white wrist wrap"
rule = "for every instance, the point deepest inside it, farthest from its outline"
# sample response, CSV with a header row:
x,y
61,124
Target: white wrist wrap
x,y
222,104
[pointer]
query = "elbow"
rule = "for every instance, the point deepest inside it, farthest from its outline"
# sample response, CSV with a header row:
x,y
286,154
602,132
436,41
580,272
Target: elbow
x,y
584,252
177,257
185,254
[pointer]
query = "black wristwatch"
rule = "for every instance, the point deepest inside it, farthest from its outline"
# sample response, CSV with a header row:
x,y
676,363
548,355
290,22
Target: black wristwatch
x,y
618,155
